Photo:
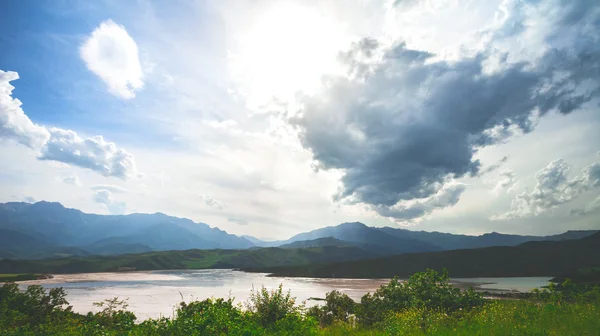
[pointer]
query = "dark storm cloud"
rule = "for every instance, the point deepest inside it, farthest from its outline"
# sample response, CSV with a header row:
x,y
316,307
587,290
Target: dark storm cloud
x,y
402,127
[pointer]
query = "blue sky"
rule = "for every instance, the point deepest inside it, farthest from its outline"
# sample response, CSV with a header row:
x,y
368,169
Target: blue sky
x,y
275,117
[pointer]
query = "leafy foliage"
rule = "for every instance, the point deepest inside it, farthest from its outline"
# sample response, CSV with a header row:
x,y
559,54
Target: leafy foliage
x,y
426,304
268,307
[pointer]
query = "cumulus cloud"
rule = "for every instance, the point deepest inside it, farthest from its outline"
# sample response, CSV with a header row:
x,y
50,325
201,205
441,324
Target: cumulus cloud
x,y
72,179
30,199
103,196
553,188
404,122
58,144
14,124
112,55
507,181
211,202
92,153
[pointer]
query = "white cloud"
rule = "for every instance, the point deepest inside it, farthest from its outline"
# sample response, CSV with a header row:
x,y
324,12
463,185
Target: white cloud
x,y
93,153
72,179
553,188
112,55
56,144
14,124
507,181
213,203
103,196
111,188
589,208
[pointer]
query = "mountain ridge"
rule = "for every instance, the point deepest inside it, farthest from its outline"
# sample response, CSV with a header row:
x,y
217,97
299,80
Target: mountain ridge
x,y
62,231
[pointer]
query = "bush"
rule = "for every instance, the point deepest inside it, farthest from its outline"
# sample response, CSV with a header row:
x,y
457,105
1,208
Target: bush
x,y
268,307
425,291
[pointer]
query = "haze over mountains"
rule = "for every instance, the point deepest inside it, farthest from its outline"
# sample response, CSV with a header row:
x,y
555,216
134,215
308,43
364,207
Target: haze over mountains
x,y
47,230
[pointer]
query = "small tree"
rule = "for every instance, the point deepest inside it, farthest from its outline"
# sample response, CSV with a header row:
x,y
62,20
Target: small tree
x,y
114,315
269,307
338,307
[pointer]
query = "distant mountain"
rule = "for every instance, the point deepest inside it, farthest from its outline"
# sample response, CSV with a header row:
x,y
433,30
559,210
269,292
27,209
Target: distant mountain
x,y
17,244
367,238
40,228
48,229
319,242
448,241
542,258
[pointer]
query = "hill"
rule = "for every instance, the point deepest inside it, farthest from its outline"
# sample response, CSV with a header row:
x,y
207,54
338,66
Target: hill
x,y
545,258
189,259
319,242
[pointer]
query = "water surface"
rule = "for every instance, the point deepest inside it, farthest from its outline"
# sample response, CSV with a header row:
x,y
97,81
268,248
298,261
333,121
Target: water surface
x,y
155,294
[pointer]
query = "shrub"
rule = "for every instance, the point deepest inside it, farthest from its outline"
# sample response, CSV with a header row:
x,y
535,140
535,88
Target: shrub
x,y
269,307
426,291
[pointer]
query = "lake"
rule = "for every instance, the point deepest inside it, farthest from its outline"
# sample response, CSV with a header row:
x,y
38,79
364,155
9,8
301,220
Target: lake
x,y
155,294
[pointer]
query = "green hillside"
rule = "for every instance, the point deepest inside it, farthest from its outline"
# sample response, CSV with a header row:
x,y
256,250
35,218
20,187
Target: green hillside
x,y
549,258
189,259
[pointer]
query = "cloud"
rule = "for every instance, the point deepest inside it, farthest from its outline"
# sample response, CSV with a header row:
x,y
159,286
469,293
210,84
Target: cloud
x,y
112,55
103,196
507,181
30,199
553,188
14,124
56,144
403,122
111,188
589,208
408,211
237,221
213,203
72,179
92,153
495,166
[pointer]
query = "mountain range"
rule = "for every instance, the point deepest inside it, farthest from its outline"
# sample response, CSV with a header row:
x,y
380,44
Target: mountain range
x,y
558,258
49,230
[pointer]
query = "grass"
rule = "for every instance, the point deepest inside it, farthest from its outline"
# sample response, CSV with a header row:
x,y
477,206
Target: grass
x,y
18,277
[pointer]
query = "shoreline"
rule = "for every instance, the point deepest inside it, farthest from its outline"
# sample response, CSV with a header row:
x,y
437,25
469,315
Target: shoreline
x,y
158,275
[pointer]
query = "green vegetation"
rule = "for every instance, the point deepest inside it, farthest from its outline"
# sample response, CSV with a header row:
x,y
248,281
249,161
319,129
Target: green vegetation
x,y
17,277
190,259
424,305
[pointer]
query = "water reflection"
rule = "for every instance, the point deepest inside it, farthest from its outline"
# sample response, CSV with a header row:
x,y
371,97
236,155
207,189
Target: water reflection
x,y
155,294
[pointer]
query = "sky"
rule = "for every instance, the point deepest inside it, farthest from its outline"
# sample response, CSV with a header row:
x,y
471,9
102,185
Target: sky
x,y
271,118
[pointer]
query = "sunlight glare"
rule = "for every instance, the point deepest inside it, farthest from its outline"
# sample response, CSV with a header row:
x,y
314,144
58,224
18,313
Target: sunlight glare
x,y
286,50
